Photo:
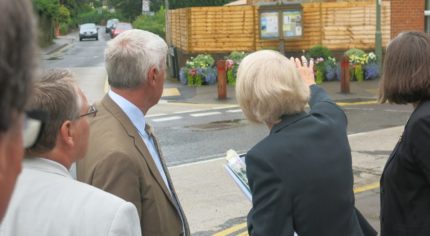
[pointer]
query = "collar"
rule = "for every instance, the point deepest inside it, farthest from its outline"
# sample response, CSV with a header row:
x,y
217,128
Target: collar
x,y
135,115
286,120
45,165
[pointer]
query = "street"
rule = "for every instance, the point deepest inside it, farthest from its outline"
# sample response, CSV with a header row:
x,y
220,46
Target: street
x,y
195,136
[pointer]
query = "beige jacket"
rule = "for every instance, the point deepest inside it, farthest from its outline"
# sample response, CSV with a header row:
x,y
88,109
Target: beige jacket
x,y
119,162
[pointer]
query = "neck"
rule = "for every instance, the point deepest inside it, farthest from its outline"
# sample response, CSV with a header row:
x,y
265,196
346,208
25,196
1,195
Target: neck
x,y
55,155
135,96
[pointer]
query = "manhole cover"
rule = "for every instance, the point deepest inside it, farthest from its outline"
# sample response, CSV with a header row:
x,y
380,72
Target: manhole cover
x,y
217,125
54,58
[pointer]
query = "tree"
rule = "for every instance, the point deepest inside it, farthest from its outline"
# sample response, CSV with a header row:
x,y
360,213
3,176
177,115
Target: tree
x,y
154,24
196,3
48,11
129,9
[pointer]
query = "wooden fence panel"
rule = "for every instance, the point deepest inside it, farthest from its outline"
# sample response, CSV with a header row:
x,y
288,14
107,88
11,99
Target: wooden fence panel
x,y
336,25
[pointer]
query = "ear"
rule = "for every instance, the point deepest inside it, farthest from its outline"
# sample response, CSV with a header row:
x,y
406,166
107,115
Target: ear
x,y
67,131
152,75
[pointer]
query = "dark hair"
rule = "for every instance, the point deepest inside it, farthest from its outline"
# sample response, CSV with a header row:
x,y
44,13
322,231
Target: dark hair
x,y
406,72
17,58
56,94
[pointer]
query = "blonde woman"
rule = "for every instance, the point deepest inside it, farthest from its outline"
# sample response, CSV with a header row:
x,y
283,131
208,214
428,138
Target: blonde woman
x,y
300,175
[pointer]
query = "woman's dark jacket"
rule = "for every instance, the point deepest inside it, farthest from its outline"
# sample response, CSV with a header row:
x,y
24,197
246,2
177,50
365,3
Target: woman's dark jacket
x,y
405,182
301,178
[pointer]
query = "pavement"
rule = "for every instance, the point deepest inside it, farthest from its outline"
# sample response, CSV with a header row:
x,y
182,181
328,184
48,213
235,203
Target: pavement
x,y
60,43
215,205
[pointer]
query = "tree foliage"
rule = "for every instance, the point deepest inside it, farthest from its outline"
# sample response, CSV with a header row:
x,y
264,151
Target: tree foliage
x,y
96,16
129,9
47,8
173,4
154,24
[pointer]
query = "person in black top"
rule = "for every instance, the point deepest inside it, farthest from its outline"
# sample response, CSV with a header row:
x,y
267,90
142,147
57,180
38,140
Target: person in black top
x,y
405,181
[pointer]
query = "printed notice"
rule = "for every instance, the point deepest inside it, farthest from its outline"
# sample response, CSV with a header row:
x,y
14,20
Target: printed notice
x,y
292,23
269,25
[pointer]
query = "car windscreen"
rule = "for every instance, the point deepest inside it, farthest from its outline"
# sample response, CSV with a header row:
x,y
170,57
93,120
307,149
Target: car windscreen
x,y
88,27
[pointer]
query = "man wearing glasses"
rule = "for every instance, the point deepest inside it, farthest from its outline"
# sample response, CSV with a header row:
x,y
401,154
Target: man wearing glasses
x,y
17,62
47,200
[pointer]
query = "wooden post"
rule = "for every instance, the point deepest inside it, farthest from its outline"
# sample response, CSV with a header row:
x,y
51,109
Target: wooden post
x,y
222,79
344,80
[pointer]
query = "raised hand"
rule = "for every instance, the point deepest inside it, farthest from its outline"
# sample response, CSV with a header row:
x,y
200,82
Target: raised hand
x,y
306,70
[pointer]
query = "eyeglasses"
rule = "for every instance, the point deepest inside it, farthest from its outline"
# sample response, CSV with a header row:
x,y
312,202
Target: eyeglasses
x,y
91,112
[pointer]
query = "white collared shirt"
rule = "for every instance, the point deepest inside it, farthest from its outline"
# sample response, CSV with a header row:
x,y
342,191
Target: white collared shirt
x,y
137,118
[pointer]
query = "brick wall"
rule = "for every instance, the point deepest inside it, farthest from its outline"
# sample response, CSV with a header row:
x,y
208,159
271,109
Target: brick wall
x,y
407,15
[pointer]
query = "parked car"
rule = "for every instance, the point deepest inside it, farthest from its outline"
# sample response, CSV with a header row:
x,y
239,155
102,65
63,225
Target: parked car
x,y
119,28
110,23
88,30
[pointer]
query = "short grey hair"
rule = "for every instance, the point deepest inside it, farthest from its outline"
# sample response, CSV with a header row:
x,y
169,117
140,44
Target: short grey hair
x,y
17,58
57,94
130,55
268,86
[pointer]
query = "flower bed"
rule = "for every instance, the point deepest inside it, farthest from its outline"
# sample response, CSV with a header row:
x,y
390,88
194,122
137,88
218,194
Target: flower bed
x,y
326,67
198,71
363,65
232,64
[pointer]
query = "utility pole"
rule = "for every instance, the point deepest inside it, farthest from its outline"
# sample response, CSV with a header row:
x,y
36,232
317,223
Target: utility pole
x,y
378,37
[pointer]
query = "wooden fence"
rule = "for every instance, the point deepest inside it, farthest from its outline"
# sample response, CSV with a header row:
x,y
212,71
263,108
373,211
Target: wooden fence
x,y
338,26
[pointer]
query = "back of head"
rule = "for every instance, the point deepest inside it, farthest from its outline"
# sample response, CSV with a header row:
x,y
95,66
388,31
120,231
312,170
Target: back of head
x,y
17,57
55,93
130,55
406,71
268,86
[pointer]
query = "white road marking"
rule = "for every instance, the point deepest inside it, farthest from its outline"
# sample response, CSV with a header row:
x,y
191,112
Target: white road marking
x,y
234,111
167,118
157,114
188,111
223,107
205,114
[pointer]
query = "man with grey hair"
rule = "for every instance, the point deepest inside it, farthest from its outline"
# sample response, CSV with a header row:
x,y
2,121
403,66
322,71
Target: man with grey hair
x,y
124,156
47,200
17,63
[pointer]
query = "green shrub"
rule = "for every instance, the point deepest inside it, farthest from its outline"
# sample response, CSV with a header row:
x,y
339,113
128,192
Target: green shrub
x,y
355,52
236,56
154,23
64,28
319,51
